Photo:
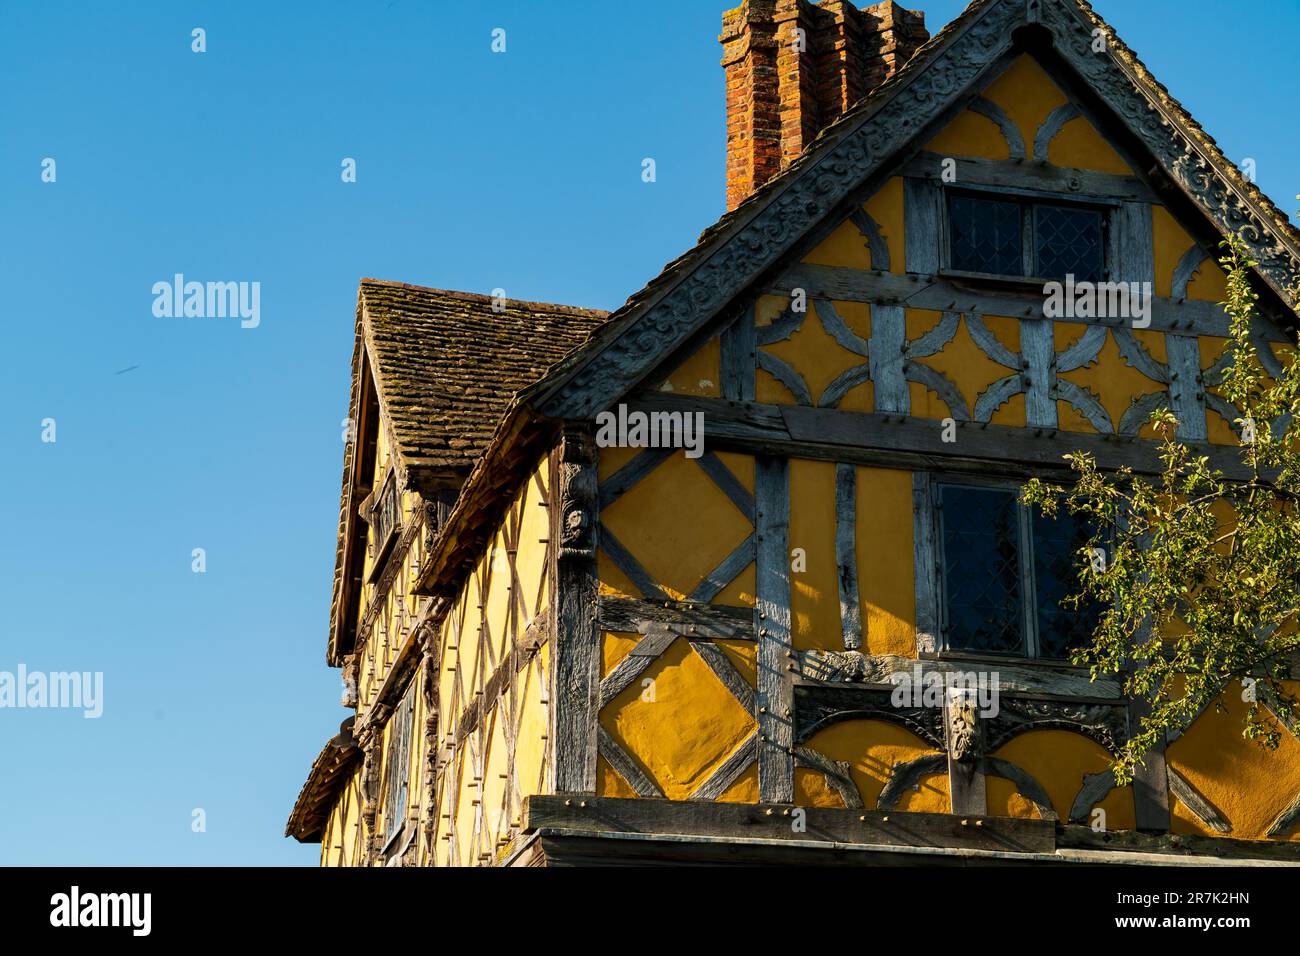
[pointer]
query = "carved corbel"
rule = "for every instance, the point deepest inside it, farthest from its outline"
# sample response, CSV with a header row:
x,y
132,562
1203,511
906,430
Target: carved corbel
x,y
965,736
349,675
579,502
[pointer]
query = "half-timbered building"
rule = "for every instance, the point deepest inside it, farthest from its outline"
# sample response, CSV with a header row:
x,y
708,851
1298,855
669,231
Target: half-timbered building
x,y
560,649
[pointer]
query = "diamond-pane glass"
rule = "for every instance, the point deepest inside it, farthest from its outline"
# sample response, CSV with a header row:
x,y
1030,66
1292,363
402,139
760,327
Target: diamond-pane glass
x,y
1069,242
985,236
981,568
1056,576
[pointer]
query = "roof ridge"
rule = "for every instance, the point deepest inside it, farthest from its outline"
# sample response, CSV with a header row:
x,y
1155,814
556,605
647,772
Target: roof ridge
x,y
481,298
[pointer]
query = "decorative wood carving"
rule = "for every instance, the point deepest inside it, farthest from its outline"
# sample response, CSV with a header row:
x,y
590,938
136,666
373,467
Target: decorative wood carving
x,y
1107,724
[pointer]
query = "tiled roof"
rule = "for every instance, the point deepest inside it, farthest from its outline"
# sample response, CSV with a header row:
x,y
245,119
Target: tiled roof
x,y
446,365
329,772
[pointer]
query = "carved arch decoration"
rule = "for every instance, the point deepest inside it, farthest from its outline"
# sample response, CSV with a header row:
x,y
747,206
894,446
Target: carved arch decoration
x,y
907,776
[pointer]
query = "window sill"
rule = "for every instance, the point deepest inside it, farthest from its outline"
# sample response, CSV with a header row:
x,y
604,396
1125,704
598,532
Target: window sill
x,y
1006,660
998,283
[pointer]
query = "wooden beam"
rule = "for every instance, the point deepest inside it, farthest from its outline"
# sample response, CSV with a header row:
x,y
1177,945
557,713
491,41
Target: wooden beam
x,y
684,618
1012,298
737,820
1036,178
925,561
916,443
846,555
772,625
1150,779
575,648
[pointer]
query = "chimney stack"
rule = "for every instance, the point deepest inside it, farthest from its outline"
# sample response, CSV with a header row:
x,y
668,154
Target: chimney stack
x,y
793,67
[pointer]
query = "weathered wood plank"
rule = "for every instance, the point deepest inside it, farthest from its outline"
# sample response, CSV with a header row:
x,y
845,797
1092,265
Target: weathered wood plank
x,y
716,581
613,487
1150,779
686,619
1030,179
925,551
737,346
989,297
914,443
1073,837
726,673
922,221
772,626
1038,349
575,654
729,483
870,230
1286,820
967,780
626,766
887,358
1185,391
638,660
729,770
1002,443
1010,131
626,562
846,554
748,821
1194,801
1013,678
1055,121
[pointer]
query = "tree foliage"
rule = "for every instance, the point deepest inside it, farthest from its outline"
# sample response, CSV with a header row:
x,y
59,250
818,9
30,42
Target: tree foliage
x,y
1200,575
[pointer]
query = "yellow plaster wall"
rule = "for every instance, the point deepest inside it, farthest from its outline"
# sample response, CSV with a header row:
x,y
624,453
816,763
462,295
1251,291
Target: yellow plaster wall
x,y
1058,760
886,577
873,748
1109,378
486,622
1028,96
676,522
678,722
699,374
814,591
971,134
848,248
1248,785
816,356
345,832
964,364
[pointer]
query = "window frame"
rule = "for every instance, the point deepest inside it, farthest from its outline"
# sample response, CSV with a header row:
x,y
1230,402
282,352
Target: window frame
x,y
383,513
1031,652
401,735
1028,200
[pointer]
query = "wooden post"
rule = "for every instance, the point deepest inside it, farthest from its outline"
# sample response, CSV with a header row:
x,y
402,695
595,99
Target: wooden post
x,y
575,647
775,699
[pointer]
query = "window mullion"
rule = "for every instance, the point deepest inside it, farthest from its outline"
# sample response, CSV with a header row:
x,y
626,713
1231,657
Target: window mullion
x,y
1029,603
1028,243
941,571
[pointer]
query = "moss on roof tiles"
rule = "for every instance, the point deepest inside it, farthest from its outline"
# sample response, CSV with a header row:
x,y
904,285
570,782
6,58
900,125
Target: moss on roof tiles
x,y
446,364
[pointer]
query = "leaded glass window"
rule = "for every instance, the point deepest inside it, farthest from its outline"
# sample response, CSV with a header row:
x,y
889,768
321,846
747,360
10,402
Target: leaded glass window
x,y
1024,238
1006,570
1057,542
1068,240
981,566
399,763
986,235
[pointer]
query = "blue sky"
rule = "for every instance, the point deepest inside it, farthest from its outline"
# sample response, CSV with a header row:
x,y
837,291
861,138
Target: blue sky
x,y
475,171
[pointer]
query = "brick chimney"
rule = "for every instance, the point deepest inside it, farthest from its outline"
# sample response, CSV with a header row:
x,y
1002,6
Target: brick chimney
x,y
793,67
